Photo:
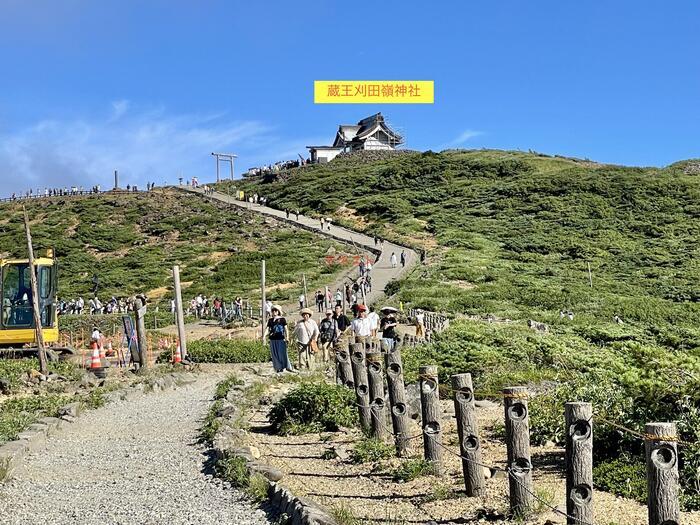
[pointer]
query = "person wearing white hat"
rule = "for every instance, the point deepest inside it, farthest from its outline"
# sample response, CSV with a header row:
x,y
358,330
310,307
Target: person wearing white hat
x,y
388,327
306,334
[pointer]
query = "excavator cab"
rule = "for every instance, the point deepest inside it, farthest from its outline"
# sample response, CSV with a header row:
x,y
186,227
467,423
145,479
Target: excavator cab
x,y
17,327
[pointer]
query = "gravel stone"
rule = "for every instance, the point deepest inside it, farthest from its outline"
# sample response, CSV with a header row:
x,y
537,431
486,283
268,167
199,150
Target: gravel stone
x,y
130,462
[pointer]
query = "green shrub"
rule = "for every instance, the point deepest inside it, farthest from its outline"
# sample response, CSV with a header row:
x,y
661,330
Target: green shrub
x,y
411,469
624,476
257,487
18,413
212,422
314,407
371,449
228,351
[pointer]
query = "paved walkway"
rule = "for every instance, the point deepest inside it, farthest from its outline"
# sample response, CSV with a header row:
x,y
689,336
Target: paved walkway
x,y
382,272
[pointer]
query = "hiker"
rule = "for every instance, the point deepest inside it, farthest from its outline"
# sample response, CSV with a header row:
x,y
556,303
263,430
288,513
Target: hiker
x,y
393,259
362,267
329,333
362,326
420,323
278,335
323,223
368,282
306,334
287,212
338,298
302,301
328,298
403,258
388,327
347,293
368,267
328,223
320,297
268,308
297,213
96,335
341,319
374,321
238,308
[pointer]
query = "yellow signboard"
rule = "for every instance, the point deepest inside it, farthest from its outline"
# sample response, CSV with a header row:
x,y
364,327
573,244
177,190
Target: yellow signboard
x,y
374,91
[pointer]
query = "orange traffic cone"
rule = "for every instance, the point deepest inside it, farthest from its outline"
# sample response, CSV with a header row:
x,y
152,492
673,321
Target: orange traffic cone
x,y
110,349
103,355
177,358
95,361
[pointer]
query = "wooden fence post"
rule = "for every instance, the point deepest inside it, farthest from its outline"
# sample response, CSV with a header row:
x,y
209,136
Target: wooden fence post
x,y
430,409
359,372
375,373
468,431
179,313
141,332
343,365
579,463
397,396
518,446
662,473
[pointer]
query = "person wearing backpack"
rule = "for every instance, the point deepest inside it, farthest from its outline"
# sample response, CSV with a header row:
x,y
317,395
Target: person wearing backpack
x,y
306,334
278,335
329,333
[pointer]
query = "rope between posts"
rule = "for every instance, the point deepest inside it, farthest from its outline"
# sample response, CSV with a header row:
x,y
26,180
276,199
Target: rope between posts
x,y
643,435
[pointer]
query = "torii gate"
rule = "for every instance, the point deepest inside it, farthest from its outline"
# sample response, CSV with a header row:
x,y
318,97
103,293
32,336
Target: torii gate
x,y
223,157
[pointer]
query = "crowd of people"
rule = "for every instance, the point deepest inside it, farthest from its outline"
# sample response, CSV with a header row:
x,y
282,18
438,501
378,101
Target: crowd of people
x,y
202,306
276,167
70,191
93,306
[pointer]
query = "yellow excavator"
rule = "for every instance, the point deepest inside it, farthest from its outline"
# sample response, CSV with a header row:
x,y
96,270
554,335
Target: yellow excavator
x,y
17,327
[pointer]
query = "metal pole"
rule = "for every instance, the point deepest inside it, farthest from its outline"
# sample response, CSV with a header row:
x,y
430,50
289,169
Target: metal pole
x,y
231,159
217,168
43,368
179,312
116,180
263,311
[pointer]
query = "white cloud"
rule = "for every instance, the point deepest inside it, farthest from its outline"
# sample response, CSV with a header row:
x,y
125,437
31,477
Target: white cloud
x,y
466,135
145,146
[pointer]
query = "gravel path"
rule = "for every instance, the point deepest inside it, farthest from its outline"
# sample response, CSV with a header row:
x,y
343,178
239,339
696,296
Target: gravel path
x,y
134,462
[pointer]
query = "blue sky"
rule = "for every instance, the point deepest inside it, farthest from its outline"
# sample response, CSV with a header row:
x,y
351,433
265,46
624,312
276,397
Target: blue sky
x,y
151,88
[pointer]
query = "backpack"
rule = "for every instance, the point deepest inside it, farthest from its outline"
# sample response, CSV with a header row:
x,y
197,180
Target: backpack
x,y
277,329
326,330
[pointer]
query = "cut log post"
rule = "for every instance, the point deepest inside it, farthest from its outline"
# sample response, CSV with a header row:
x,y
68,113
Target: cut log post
x,y
518,445
430,410
375,374
343,364
579,463
662,473
397,397
468,432
179,313
359,372
141,332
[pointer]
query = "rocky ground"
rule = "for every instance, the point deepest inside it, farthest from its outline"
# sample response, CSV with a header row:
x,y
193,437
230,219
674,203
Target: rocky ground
x,y
366,493
130,462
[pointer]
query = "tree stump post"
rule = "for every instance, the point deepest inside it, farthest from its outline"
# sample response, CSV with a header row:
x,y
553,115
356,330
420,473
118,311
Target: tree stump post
x,y
430,410
359,372
343,365
397,397
518,445
579,463
375,373
662,473
468,432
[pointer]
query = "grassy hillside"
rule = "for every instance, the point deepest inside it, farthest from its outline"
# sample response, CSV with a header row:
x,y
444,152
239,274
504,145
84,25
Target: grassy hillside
x,y
132,241
512,234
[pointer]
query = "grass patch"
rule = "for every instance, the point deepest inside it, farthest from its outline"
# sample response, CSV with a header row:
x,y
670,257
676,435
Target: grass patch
x,y
234,470
370,449
225,386
18,413
411,469
227,351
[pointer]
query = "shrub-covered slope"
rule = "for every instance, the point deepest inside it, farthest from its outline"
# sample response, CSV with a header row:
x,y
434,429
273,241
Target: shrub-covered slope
x,y
512,235
131,243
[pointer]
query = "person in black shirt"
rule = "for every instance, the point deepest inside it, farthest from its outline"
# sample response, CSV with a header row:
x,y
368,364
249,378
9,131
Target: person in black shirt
x,y
278,335
341,319
387,327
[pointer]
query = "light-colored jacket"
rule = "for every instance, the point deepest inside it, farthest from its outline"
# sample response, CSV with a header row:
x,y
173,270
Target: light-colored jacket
x,y
305,331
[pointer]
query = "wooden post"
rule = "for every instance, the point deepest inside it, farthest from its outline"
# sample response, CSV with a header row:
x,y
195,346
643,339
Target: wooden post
x,y
343,364
262,302
579,463
468,432
662,473
141,332
430,409
397,396
375,375
38,330
359,372
590,276
179,315
518,446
